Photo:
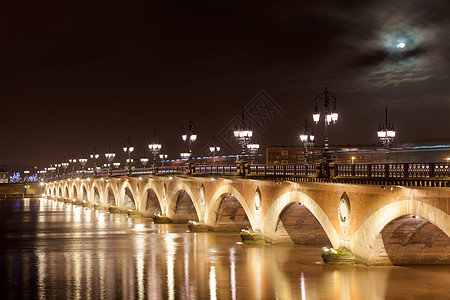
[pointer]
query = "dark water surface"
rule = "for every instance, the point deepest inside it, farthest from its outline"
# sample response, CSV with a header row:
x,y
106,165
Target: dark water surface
x,y
53,250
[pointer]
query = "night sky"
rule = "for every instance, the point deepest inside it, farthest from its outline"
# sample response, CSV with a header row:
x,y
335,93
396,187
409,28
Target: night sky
x,y
75,74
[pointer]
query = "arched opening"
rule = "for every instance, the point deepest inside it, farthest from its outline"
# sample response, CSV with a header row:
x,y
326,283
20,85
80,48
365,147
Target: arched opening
x,y
110,199
96,196
54,192
60,194
296,224
128,201
84,194
231,215
152,204
412,240
184,209
67,192
75,195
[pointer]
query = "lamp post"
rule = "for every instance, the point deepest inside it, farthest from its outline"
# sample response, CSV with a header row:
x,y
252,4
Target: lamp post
x,y
83,162
306,137
253,148
189,136
58,166
128,148
331,116
73,161
386,131
214,148
110,157
95,156
163,157
155,148
65,165
243,134
144,161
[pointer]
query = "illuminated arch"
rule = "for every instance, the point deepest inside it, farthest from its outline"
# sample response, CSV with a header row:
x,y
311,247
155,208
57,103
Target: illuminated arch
x,y
124,195
148,188
214,205
363,243
106,195
173,199
273,214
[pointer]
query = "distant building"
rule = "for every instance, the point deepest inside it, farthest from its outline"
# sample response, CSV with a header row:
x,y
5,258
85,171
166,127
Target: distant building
x,y
359,154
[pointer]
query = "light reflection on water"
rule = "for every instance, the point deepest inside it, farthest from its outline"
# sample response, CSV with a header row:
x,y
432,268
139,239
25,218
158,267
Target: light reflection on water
x,y
52,250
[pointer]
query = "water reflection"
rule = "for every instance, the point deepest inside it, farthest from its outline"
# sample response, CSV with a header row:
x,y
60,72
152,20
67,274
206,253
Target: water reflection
x,y
56,250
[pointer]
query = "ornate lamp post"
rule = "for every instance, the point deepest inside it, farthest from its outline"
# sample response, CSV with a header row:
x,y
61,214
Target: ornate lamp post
x,y
116,165
65,165
214,148
386,131
83,162
144,161
163,157
73,161
189,136
253,148
155,148
95,156
110,157
306,137
129,148
331,116
243,134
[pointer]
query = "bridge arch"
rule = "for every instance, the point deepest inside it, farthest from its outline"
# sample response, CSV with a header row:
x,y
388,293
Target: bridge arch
x,y
75,192
67,194
127,198
60,194
84,193
109,195
369,240
151,199
288,201
183,202
213,210
96,196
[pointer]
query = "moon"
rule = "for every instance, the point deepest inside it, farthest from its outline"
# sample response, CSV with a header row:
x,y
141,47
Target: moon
x,y
401,46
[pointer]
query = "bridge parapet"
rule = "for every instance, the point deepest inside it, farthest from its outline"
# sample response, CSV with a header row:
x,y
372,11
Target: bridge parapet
x,y
407,174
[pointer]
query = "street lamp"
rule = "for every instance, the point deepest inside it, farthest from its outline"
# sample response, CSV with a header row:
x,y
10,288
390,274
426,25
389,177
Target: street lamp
x,y
190,136
73,161
163,157
144,161
116,165
243,134
306,137
65,165
331,116
110,157
128,148
95,156
253,148
214,149
155,148
83,162
386,131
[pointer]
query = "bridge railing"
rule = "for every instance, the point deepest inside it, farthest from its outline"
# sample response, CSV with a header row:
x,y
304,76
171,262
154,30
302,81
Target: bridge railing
x,y
375,171
399,170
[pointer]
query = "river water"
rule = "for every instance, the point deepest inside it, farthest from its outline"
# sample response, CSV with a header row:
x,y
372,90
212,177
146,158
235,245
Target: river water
x,y
54,250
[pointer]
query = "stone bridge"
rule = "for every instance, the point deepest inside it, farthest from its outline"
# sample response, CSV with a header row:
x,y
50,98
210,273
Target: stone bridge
x,y
379,225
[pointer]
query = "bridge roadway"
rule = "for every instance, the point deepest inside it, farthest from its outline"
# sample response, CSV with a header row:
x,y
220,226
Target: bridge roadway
x,y
378,224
